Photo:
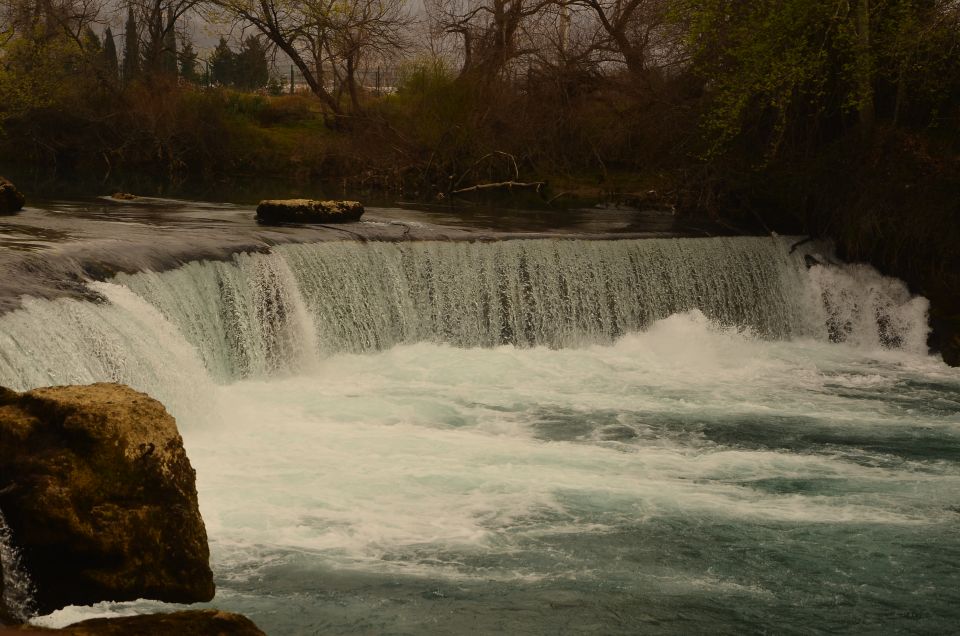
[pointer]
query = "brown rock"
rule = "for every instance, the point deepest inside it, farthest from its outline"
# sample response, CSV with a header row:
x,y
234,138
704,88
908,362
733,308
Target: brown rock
x,y
190,623
123,196
100,497
308,211
11,200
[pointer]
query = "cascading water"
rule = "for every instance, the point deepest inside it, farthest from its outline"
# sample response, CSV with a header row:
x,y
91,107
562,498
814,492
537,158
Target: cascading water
x,y
263,314
538,436
17,588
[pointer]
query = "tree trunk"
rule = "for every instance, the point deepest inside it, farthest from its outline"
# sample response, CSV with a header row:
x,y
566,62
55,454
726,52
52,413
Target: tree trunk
x,y
316,86
352,84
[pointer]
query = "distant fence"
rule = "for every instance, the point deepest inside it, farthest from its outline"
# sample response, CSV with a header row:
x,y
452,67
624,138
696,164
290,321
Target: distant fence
x,y
287,79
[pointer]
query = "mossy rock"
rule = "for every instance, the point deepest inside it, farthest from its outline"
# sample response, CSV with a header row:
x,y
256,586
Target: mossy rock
x,y
100,497
308,211
11,199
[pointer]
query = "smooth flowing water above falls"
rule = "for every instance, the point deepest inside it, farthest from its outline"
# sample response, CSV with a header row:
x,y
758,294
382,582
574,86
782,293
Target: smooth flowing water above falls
x,y
549,436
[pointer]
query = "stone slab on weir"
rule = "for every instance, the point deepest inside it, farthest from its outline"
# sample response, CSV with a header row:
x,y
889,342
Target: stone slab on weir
x,y
308,211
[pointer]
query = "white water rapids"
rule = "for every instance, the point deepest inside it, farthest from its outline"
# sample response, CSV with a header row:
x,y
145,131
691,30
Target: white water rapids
x,y
539,436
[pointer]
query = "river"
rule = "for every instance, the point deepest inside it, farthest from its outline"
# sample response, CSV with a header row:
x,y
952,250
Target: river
x,y
620,426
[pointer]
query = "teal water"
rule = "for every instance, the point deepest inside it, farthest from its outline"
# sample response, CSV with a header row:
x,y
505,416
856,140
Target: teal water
x,y
536,438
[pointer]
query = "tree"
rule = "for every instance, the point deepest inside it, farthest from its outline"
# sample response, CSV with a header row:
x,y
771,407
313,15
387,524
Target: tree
x,y
803,72
493,32
188,63
158,20
169,56
110,61
251,70
638,30
91,42
364,31
326,40
223,64
131,49
49,57
246,70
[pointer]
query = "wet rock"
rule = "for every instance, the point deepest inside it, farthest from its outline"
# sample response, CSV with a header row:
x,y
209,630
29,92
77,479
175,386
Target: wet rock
x,y
11,199
308,211
951,347
124,196
6,616
190,623
16,589
100,497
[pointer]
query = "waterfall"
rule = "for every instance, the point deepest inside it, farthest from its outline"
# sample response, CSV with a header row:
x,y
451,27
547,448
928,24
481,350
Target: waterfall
x,y
260,315
16,585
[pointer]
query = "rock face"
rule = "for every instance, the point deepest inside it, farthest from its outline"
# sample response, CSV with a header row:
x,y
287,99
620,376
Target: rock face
x,y
100,497
192,623
11,200
308,211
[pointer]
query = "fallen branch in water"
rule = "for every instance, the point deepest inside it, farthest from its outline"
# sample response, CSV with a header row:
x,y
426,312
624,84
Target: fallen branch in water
x,y
495,153
509,185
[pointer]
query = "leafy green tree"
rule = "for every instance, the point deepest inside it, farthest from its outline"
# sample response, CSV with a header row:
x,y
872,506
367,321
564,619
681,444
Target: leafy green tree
x,y
799,72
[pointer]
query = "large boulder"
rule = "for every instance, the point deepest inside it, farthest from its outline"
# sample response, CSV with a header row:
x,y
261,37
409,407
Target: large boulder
x,y
308,211
100,497
11,200
190,623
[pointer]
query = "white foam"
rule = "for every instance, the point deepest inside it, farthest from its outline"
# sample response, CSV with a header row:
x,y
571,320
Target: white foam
x,y
431,448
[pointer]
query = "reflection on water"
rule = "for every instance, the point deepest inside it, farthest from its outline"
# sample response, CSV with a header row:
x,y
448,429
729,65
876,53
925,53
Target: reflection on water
x,y
28,237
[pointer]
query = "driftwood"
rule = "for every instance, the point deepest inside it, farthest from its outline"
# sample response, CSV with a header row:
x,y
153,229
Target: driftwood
x,y
495,153
509,185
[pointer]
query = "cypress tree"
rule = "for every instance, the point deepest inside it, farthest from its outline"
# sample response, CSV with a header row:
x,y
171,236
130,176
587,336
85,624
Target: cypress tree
x,y
131,51
110,60
169,64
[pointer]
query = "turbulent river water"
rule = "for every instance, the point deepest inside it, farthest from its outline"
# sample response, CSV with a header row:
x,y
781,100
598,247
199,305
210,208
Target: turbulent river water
x,y
541,436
